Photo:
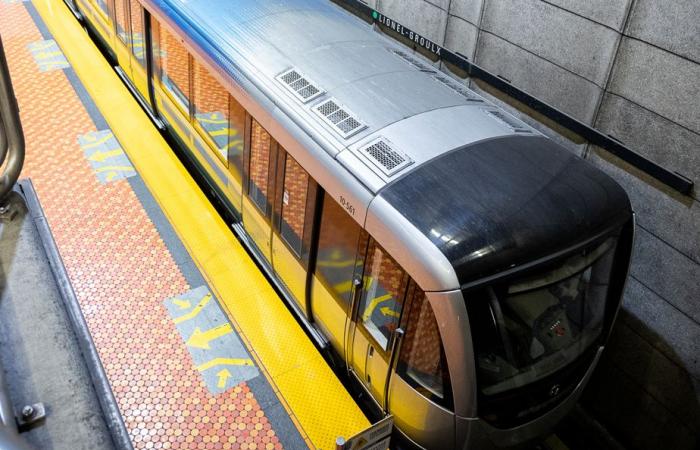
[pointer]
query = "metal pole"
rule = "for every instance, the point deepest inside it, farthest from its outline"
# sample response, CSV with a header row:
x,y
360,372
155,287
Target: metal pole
x,y
11,130
339,443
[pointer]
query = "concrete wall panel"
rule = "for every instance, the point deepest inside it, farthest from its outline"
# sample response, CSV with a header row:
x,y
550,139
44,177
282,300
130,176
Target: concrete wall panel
x,y
575,43
672,25
659,81
652,135
569,92
461,37
606,12
469,10
422,17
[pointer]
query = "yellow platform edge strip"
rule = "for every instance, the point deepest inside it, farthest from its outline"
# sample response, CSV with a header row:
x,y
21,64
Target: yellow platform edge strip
x,y
291,363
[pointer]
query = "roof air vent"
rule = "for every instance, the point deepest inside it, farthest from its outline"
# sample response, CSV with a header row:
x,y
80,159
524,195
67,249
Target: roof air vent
x,y
385,156
341,119
459,88
415,62
508,120
299,85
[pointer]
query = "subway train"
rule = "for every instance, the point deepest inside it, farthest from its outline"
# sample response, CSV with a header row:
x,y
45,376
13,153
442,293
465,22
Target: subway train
x,y
464,269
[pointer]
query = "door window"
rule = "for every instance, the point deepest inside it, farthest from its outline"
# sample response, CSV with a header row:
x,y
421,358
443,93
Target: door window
x,y
259,192
296,187
422,360
174,68
211,111
237,121
120,16
383,295
138,45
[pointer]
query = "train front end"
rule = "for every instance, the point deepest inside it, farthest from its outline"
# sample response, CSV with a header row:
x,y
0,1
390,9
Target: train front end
x,y
540,242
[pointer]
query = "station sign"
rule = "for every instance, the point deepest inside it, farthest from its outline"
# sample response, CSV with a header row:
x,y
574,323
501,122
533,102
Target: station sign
x,y
376,437
417,39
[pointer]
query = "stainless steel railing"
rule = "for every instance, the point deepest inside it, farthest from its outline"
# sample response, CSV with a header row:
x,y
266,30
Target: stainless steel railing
x,y
11,136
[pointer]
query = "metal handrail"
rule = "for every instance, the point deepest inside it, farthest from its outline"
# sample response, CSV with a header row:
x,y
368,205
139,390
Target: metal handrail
x,y
11,135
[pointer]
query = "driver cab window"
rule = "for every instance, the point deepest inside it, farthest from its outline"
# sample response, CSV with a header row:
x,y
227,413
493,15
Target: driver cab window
x,y
383,295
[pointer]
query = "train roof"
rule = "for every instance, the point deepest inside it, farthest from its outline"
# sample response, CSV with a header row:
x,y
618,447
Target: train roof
x,y
399,111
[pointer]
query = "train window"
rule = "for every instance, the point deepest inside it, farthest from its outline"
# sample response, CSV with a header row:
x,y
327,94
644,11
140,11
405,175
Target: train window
x,y
211,110
236,136
120,19
383,294
296,187
174,68
138,46
102,4
422,361
260,143
337,247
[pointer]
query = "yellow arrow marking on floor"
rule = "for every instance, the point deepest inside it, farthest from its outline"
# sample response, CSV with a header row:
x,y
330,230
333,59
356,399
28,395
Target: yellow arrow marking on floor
x,y
223,375
201,339
99,156
373,305
182,304
196,310
47,55
225,362
95,142
388,311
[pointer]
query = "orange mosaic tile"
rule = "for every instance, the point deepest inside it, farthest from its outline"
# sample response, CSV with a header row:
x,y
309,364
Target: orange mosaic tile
x,y
121,271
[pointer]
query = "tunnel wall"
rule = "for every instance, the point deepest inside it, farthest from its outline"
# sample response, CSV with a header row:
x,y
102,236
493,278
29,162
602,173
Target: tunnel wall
x,y
632,69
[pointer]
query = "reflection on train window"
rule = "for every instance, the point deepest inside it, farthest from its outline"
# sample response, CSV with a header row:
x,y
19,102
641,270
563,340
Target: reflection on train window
x,y
382,298
527,330
174,68
260,142
296,185
119,12
103,7
337,247
422,361
237,120
211,110
138,46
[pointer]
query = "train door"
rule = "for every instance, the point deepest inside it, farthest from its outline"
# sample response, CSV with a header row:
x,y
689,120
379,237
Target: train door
x,y
291,240
335,268
98,13
120,40
376,320
257,204
137,49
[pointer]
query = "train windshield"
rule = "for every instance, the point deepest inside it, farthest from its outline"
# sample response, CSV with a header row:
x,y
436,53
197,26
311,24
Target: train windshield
x,y
527,329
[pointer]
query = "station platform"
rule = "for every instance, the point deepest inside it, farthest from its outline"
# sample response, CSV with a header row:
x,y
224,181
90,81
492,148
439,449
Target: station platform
x,y
198,351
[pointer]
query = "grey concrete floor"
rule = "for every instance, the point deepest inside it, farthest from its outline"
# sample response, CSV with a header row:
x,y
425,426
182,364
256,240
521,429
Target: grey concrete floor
x,y
38,349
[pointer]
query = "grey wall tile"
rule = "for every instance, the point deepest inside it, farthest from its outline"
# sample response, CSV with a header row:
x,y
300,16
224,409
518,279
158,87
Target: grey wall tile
x,y
577,44
469,10
607,12
461,36
672,25
420,16
573,94
634,416
674,220
663,326
659,81
655,373
670,274
654,136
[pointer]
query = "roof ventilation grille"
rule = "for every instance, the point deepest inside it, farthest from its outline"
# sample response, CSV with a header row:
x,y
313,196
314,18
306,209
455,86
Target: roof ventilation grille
x,y
415,62
508,120
299,85
459,88
385,156
338,117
